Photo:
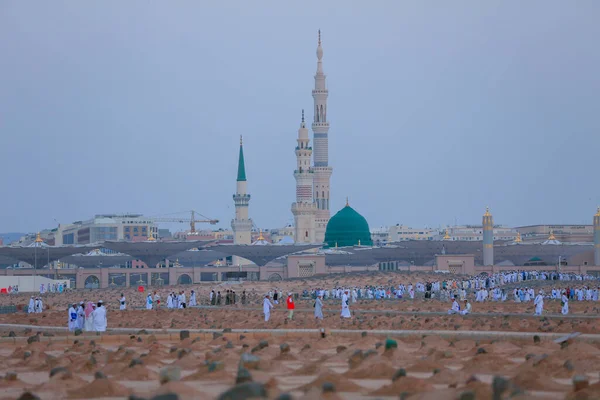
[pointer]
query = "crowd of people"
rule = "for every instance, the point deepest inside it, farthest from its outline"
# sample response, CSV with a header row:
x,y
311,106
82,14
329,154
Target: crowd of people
x,y
87,316
318,305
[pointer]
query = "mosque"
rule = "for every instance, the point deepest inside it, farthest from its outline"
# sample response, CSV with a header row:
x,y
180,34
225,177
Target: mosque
x,y
311,210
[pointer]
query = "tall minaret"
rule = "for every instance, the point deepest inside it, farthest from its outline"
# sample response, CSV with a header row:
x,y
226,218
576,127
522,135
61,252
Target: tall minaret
x,y
322,170
241,225
597,238
304,209
488,238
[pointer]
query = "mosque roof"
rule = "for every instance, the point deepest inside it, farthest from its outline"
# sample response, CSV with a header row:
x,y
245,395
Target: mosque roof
x,y
422,252
261,255
153,252
42,255
93,261
347,228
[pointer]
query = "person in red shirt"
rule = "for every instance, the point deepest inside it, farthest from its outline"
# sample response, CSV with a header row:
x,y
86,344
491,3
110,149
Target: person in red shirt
x,y
290,305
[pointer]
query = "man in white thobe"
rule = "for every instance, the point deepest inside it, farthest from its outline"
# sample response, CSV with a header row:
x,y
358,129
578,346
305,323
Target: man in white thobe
x,y
455,307
156,303
149,302
122,305
31,308
72,318
564,301
539,303
467,309
39,306
99,317
182,300
267,305
345,306
80,316
192,299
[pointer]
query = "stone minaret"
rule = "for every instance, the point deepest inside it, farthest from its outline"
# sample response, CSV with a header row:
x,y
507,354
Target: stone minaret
x,y
597,238
304,209
241,225
488,238
322,170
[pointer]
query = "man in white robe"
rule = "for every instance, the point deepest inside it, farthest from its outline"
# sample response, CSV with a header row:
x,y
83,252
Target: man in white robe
x,y
39,306
122,305
564,301
149,302
267,305
80,316
192,299
156,303
169,301
467,309
182,302
72,318
455,307
31,308
539,303
99,317
345,306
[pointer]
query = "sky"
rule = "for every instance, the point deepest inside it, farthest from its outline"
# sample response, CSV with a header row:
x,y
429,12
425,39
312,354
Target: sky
x,y
436,109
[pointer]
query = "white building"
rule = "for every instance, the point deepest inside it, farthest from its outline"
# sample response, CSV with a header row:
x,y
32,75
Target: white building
x,y
475,233
399,233
128,227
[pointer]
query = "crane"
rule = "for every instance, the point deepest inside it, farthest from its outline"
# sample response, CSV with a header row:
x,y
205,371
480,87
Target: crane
x,y
192,220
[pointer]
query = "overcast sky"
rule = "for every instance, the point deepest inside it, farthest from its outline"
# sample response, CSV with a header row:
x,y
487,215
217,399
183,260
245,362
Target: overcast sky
x,y
437,109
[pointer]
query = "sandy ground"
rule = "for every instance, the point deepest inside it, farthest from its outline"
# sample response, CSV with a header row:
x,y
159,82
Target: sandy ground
x,y
352,368
307,367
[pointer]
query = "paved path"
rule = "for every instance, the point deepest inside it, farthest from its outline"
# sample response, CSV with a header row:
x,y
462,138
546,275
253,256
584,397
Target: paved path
x,y
337,310
174,333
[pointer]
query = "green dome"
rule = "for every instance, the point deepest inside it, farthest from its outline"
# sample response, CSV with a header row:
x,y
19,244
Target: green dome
x,y
347,228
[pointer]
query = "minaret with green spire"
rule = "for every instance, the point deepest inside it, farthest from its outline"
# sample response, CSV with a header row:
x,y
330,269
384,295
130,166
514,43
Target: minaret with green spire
x,y
241,177
241,224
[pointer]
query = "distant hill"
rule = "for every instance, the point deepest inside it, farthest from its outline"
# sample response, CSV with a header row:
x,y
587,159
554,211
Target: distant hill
x,y
10,237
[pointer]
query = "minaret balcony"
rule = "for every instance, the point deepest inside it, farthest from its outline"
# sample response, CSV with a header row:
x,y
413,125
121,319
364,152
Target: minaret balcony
x,y
304,148
318,124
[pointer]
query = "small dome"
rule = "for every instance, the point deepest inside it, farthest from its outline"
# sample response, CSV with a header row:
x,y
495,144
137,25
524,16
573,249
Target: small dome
x,y
347,228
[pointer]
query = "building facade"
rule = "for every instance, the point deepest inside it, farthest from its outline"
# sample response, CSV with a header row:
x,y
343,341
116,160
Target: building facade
x,y
113,227
562,233
476,233
399,233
